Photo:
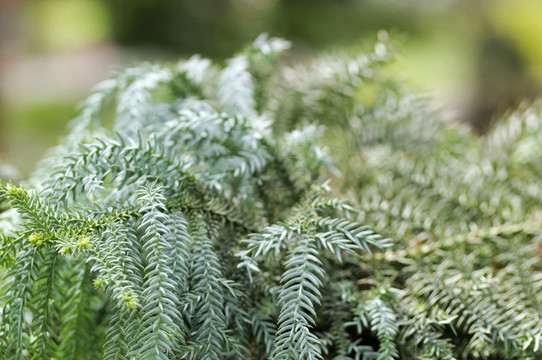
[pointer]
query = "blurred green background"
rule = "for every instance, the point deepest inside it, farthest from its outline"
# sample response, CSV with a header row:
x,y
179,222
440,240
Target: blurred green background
x,y
474,58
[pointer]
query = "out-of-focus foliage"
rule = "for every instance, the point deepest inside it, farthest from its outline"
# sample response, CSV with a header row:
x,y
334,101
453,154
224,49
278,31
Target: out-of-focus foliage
x,y
463,279
197,225
59,25
475,57
8,172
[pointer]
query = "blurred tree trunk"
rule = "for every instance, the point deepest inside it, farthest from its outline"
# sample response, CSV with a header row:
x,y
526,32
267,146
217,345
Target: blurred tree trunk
x,y
502,80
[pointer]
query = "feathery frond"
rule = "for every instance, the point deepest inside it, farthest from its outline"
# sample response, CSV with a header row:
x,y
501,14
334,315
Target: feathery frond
x,y
203,222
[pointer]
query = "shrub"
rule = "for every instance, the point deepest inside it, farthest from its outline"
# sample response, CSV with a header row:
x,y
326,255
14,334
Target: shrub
x,y
198,223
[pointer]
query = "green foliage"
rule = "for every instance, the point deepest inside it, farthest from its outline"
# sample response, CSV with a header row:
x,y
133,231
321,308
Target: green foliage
x,y
199,223
462,279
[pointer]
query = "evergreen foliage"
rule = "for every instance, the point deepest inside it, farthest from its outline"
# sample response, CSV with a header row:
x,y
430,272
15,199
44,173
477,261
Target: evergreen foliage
x,y
199,224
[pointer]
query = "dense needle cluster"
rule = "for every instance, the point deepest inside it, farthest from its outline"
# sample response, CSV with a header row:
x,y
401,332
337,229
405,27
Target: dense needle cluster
x,y
187,216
